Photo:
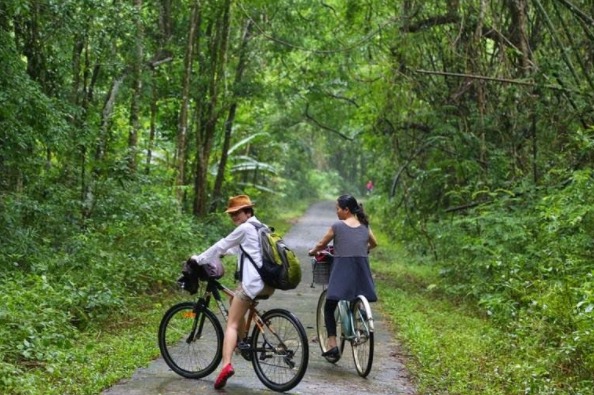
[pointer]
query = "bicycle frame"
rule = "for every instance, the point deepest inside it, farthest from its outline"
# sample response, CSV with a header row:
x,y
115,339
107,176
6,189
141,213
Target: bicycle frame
x,y
191,339
214,290
354,325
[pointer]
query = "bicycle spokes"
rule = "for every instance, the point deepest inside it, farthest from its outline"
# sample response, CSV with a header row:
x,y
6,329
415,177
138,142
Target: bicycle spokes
x,y
280,344
362,343
274,345
363,329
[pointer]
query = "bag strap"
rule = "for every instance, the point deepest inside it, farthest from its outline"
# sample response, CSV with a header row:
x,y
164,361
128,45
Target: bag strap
x,y
244,253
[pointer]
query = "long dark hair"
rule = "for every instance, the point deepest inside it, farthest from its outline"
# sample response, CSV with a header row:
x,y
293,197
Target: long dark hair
x,y
348,201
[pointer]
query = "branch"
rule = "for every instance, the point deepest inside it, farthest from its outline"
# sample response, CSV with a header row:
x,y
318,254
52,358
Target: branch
x,y
347,99
162,56
431,22
318,124
503,80
408,161
582,15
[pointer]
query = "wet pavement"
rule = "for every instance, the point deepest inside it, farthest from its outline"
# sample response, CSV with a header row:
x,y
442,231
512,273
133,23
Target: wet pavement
x,y
388,374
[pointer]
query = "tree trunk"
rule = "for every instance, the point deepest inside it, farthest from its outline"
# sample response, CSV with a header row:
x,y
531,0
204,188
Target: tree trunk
x,y
183,114
519,36
136,91
153,122
241,64
206,128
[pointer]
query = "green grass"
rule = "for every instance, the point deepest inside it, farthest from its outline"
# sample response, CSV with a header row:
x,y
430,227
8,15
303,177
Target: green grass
x,y
101,356
453,347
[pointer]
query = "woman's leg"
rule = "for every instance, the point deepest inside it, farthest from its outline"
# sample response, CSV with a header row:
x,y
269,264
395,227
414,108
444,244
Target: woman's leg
x,y
239,306
235,326
330,321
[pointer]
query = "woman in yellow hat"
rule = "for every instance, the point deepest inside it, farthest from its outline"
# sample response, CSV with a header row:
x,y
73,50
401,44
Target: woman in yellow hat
x,y
240,209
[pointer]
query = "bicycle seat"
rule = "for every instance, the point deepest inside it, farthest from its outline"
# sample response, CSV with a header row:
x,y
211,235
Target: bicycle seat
x,y
261,297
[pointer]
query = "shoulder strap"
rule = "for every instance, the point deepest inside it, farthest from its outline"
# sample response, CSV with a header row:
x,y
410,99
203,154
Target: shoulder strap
x,y
257,225
244,253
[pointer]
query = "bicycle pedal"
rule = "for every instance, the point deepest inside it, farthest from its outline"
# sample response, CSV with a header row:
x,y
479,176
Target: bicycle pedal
x,y
243,346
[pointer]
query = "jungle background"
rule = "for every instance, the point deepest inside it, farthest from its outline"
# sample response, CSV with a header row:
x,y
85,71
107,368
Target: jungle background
x,y
126,125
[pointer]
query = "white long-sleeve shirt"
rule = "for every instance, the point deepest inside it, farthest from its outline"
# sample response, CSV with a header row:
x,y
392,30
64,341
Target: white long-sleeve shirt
x,y
245,235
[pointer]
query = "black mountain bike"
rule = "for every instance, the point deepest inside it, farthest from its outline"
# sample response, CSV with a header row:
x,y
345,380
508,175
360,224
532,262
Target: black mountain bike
x,y
191,340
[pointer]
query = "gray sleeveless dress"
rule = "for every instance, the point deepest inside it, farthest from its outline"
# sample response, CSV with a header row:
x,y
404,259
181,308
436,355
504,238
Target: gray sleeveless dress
x,y
351,275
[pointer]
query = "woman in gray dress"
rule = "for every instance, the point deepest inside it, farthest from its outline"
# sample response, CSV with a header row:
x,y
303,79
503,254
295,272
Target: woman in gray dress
x,y
351,275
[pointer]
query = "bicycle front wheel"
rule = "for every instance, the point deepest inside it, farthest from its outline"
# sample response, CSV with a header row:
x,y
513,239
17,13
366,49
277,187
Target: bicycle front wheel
x,y
323,333
191,341
362,343
280,350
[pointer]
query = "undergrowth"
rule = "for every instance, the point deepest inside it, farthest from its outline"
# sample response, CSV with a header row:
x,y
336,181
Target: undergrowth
x,y
454,345
80,307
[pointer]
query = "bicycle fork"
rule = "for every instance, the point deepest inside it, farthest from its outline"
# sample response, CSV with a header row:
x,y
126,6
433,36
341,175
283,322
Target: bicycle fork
x,y
198,324
346,319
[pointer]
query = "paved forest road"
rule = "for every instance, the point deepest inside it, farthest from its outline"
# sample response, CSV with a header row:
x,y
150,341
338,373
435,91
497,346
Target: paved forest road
x,y
388,374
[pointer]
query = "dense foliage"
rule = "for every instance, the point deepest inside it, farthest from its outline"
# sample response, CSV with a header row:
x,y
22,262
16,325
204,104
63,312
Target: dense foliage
x,y
125,125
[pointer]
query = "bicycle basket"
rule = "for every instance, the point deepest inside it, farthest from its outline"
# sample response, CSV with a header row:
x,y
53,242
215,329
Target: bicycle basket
x,y
321,272
322,266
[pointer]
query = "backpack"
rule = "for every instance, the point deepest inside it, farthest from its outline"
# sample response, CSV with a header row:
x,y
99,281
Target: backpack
x,y
280,267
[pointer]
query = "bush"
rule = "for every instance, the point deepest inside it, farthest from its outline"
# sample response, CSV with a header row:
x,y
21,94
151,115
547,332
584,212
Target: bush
x,y
530,267
57,284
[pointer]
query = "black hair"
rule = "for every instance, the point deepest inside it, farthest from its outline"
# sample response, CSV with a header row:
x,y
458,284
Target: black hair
x,y
348,201
248,210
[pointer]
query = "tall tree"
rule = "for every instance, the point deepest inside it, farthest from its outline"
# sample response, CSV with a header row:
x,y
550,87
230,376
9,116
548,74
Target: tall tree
x,y
192,45
228,126
208,111
137,68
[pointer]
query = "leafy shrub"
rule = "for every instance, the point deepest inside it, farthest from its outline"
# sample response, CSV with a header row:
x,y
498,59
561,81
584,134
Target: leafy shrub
x,y
527,260
35,321
59,279
530,268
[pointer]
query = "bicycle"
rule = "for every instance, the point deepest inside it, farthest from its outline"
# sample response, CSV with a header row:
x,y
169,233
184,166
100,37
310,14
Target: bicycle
x,y
354,320
191,340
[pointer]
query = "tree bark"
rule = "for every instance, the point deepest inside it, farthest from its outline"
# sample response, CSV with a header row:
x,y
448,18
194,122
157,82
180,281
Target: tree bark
x,y
182,129
136,91
241,65
206,128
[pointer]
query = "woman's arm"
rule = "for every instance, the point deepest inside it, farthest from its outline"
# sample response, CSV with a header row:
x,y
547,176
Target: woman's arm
x,y
226,245
372,242
322,243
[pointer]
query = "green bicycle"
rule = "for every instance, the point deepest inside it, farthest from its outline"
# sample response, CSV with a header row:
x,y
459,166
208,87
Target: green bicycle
x,y
354,319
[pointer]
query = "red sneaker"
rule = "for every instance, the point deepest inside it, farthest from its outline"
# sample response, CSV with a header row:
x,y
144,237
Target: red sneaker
x,y
223,376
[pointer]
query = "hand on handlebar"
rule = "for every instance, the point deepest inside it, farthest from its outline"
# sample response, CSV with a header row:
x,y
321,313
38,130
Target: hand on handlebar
x,y
329,251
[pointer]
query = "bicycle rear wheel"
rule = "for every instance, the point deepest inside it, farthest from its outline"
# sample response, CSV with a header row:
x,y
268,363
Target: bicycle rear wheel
x,y
321,329
191,342
362,343
280,352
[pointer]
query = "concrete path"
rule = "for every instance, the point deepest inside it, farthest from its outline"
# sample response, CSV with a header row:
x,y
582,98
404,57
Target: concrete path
x,y
388,374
